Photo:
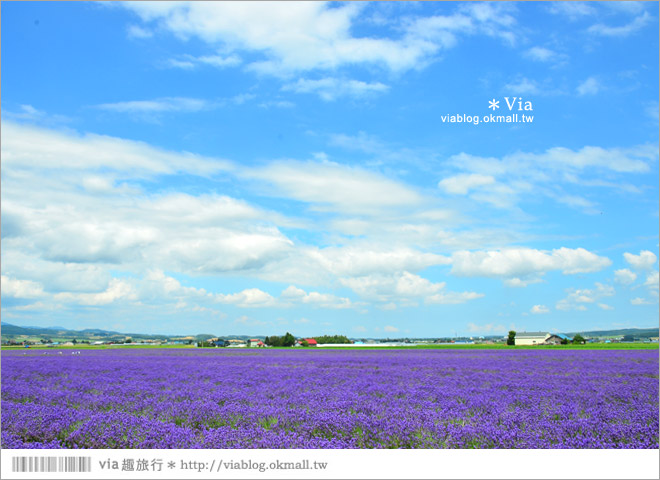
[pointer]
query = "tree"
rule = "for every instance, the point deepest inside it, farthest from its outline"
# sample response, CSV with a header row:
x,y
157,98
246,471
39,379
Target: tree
x,y
74,341
332,339
273,341
511,340
288,340
578,339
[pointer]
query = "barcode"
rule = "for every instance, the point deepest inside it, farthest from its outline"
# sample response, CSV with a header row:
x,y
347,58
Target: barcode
x,y
51,464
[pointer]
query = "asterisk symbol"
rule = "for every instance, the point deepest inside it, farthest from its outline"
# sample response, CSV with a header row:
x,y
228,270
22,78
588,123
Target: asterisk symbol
x,y
493,104
171,465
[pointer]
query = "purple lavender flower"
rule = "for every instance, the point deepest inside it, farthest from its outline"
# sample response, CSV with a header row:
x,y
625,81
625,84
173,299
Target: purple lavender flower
x,y
330,399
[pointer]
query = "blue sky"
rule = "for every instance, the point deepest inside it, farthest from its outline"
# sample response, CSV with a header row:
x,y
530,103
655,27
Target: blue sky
x,y
246,168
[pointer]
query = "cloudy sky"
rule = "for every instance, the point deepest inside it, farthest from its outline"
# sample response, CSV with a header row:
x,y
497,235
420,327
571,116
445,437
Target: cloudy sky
x,y
246,168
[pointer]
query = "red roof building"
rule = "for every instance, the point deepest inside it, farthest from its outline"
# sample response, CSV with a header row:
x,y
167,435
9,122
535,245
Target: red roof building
x,y
311,341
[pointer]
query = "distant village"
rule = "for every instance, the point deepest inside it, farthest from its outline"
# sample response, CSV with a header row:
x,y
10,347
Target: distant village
x,y
326,341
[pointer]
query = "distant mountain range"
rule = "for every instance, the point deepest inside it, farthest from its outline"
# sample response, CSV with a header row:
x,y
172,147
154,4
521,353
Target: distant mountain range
x,y
635,332
11,332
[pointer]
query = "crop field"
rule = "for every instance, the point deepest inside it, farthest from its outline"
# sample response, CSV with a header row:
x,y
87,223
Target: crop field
x,y
436,398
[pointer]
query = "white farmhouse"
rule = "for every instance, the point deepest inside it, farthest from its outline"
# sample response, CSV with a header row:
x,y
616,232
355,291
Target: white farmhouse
x,y
537,338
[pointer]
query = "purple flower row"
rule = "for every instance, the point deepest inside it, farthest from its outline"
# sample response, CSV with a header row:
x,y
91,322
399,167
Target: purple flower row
x,y
162,398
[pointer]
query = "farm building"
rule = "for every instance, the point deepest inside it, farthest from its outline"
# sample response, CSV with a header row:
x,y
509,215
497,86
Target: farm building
x,y
537,338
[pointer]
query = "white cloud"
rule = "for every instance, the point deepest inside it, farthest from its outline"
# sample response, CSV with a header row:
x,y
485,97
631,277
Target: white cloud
x,y
159,105
291,37
83,221
539,309
277,104
542,54
135,235
629,7
578,202
406,288
652,281
604,306
27,147
452,298
572,10
521,283
303,36
323,300
248,298
388,306
461,184
152,110
156,286
30,114
520,263
644,261
117,290
362,142
523,86
640,301
544,166
652,110
330,89
182,64
628,160
83,209
219,61
390,329
493,18
359,260
85,215
636,24
16,288
52,276
332,186
189,62
135,31
624,276
521,174
576,298
591,86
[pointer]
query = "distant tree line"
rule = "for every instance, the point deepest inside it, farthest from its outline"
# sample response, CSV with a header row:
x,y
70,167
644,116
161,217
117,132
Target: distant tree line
x,y
332,339
287,340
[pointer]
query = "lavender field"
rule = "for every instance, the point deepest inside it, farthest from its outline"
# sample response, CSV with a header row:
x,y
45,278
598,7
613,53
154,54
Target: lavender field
x,y
221,398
